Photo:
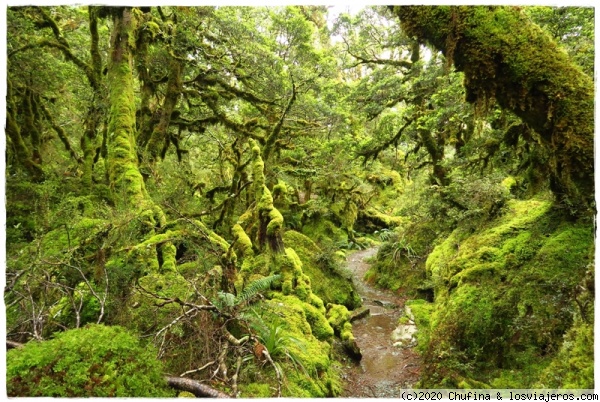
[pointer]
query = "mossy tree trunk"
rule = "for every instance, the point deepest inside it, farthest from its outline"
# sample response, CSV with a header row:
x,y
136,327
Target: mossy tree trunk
x,y
435,148
125,178
94,116
159,140
30,126
13,131
147,88
507,58
270,220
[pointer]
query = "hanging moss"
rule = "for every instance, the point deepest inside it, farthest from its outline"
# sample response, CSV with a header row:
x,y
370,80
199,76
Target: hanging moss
x,y
159,139
13,131
508,59
347,212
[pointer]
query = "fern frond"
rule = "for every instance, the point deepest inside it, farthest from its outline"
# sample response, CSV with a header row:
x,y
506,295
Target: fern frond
x,y
255,287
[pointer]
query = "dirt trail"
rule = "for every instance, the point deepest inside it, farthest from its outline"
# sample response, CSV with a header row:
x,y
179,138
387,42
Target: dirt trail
x,y
384,368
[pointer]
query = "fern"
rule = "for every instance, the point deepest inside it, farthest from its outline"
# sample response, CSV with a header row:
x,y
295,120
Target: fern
x,y
277,342
229,301
255,288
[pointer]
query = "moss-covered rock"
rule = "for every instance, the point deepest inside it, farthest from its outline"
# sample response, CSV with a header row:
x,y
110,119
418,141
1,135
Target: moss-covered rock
x,y
314,374
94,361
324,232
504,297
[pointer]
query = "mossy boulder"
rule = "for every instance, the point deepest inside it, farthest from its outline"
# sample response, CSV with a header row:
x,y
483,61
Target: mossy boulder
x,y
324,232
504,295
94,361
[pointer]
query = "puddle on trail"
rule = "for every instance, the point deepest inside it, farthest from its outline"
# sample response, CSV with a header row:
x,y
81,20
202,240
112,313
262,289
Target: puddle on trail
x,y
384,369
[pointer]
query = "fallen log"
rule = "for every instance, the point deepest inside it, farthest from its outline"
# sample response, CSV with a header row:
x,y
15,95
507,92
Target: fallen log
x,y
13,345
196,388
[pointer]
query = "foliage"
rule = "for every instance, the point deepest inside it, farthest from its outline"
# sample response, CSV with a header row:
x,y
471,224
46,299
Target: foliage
x,y
169,167
277,341
227,301
94,361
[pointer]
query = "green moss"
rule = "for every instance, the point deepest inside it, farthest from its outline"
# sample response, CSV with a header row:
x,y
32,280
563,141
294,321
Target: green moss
x,y
337,316
319,326
503,295
255,390
304,322
573,367
303,289
94,361
509,182
243,241
326,279
422,311
324,232
276,222
63,312
168,255
142,313
505,57
347,212
258,167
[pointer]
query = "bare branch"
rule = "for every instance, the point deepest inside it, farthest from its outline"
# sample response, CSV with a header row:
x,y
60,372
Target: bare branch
x,y
198,369
196,388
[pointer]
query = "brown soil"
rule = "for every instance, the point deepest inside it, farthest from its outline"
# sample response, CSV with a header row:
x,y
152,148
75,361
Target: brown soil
x,y
384,369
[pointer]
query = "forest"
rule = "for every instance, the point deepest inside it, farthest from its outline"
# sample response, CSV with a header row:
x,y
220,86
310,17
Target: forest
x,y
185,186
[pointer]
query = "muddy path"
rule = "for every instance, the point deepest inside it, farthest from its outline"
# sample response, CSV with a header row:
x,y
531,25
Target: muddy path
x,y
385,369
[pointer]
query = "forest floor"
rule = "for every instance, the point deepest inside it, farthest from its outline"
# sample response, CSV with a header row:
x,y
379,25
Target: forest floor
x,y
384,369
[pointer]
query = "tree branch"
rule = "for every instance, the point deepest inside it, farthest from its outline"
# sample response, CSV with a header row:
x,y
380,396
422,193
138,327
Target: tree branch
x,y
195,387
376,60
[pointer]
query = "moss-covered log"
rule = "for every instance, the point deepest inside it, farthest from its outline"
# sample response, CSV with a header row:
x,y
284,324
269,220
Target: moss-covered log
x,y
507,58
